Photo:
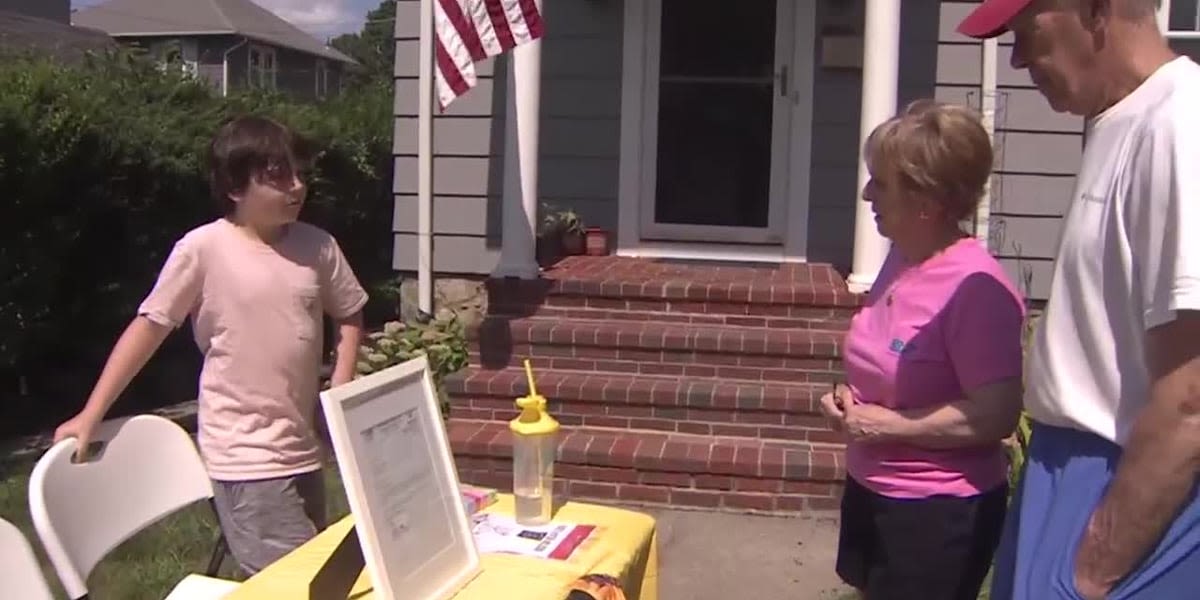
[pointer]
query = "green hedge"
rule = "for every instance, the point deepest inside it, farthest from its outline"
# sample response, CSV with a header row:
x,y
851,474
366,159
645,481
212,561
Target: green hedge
x,y
100,172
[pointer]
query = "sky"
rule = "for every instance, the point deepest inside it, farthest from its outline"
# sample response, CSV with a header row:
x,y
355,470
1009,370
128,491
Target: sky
x,y
322,18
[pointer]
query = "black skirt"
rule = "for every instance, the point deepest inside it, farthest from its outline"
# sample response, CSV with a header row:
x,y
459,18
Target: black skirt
x,y
937,548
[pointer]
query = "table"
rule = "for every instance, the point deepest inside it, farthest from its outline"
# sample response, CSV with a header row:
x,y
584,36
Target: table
x,y
625,546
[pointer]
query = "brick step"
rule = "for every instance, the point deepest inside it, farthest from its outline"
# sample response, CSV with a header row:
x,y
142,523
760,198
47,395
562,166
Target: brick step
x,y
742,353
664,469
738,315
799,293
778,411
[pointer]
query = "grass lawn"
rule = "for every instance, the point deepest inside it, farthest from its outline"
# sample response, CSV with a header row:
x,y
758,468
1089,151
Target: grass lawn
x,y
152,562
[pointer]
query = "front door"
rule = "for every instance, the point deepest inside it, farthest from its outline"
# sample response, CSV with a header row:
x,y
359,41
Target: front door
x,y
719,100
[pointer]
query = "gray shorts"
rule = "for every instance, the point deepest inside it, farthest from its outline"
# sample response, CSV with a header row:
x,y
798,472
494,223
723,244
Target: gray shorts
x,y
264,519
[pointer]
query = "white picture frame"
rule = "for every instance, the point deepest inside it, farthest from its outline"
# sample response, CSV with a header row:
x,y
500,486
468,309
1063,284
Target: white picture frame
x,y
401,483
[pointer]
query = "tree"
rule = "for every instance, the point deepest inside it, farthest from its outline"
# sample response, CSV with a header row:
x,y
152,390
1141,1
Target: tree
x,y
374,47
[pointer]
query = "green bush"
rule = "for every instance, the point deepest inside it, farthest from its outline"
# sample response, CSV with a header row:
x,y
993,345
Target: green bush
x,y
442,340
101,167
1018,446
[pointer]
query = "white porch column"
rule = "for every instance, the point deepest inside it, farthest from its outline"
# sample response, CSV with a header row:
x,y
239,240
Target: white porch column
x,y
1164,16
520,203
881,71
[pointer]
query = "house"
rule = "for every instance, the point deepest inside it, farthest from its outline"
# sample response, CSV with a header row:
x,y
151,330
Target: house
x,y
50,10
229,43
721,146
45,26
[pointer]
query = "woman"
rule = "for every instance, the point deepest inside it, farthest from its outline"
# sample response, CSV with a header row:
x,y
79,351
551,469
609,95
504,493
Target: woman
x,y
933,362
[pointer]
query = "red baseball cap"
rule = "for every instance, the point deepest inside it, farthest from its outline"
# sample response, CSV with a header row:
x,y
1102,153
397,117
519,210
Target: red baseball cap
x,y
991,18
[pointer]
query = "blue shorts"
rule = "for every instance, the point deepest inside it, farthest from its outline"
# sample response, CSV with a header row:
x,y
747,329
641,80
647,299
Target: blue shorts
x,y
1066,474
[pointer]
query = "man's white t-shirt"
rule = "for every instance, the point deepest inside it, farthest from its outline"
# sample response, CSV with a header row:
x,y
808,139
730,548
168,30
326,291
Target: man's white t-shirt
x,y
1128,260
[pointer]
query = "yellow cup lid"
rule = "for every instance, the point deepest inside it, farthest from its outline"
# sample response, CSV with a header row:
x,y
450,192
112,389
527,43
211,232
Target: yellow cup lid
x,y
534,419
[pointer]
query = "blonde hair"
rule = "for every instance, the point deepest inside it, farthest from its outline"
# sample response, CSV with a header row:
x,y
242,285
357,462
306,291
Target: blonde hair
x,y
935,150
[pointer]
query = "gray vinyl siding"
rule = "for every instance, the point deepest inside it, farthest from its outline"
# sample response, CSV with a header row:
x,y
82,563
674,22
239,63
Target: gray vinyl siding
x,y
579,138
239,66
212,58
468,163
210,53
297,74
580,130
1038,150
837,103
1038,153
295,70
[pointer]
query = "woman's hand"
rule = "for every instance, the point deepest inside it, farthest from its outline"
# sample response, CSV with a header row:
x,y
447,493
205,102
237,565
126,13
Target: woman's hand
x,y
833,405
862,422
870,422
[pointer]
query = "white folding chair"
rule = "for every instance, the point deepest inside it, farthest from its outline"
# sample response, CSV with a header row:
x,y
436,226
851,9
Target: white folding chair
x,y
139,470
19,569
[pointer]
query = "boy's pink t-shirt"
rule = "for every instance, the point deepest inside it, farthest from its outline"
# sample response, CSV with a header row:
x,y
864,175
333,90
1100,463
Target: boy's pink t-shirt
x,y
928,333
256,314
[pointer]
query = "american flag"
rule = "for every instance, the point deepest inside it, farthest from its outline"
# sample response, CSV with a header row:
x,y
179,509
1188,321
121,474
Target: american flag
x,y
469,31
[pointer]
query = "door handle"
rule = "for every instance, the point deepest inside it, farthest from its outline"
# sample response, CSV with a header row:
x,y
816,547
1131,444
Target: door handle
x,y
783,80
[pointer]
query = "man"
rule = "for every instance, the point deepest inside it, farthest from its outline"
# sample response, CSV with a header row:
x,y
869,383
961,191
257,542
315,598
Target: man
x,y
1107,507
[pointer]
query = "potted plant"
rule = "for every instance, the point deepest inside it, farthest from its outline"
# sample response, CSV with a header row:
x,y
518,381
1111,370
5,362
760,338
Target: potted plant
x,y
571,231
548,245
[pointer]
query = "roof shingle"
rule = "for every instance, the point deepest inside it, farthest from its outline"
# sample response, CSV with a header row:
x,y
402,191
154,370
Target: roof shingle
x,y
20,32
150,18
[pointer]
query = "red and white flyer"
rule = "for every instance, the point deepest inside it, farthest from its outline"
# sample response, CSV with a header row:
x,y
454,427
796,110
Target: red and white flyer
x,y
500,534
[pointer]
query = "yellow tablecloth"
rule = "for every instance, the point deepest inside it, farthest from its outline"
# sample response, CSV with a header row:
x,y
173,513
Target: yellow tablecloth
x,y
625,546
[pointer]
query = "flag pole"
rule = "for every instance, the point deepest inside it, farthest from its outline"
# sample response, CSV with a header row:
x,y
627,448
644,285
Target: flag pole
x,y
425,160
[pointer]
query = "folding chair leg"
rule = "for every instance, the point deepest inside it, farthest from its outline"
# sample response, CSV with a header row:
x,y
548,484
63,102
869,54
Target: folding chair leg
x,y
220,548
220,551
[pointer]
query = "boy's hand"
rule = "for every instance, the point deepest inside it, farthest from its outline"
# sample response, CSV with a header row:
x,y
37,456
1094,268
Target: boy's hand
x,y
349,336
141,338
79,427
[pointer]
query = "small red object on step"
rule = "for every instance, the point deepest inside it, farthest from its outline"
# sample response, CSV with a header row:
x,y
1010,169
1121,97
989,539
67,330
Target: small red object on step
x,y
597,241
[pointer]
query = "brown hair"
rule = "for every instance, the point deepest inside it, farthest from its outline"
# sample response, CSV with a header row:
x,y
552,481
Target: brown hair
x,y
252,147
936,150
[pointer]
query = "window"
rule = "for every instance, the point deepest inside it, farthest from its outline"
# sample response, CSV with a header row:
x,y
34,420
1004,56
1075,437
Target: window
x,y
181,54
263,67
1180,19
322,79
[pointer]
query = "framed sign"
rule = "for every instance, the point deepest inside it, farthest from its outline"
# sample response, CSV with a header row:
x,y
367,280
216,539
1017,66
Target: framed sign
x,y
401,484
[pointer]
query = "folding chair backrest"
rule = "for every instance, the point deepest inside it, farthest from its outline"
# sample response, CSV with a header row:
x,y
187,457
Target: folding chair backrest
x,y
20,573
146,468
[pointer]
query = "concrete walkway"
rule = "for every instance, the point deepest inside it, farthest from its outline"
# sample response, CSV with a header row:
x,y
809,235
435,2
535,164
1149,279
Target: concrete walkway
x,y
705,555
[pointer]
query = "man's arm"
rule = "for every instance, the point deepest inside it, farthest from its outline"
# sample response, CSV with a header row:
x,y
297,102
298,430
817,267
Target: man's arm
x,y
1157,471
349,336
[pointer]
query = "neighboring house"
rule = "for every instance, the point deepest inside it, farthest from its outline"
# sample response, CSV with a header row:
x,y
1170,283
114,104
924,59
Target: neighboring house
x,y
229,43
50,10
45,26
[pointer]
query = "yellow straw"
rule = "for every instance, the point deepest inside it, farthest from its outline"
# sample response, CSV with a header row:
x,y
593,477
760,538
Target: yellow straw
x,y
529,376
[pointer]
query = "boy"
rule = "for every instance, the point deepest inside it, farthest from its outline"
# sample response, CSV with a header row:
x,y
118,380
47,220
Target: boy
x,y
255,283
